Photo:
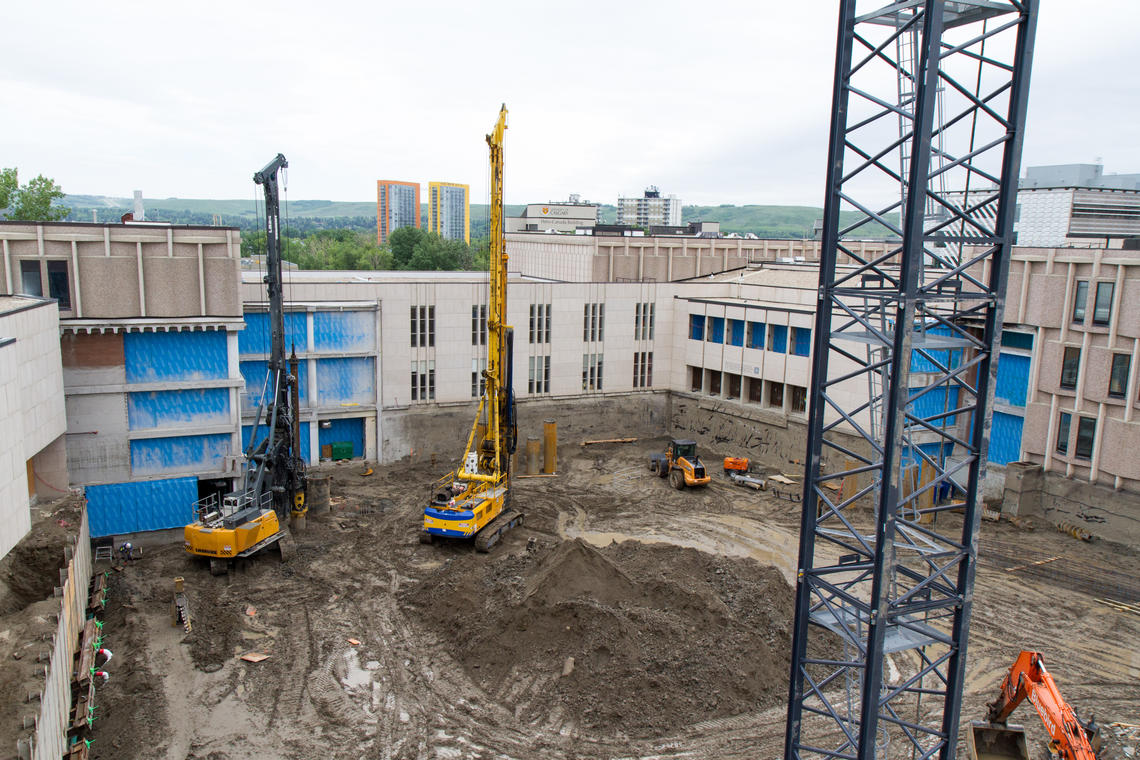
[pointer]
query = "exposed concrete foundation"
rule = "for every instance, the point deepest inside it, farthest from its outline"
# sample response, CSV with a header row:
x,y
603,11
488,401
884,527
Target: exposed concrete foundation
x,y
1103,512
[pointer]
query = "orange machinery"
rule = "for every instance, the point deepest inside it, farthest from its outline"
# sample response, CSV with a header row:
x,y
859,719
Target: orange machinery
x,y
1028,678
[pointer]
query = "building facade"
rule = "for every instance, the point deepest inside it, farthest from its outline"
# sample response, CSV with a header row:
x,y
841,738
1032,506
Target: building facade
x,y
554,217
652,208
449,210
33,457
149,318
397,205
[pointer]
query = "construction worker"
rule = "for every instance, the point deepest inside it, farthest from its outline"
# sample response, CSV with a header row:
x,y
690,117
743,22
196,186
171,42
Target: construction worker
x,y
126,551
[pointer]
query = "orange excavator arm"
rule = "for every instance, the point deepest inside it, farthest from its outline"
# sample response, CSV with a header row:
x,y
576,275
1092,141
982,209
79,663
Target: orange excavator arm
x,y
1029,678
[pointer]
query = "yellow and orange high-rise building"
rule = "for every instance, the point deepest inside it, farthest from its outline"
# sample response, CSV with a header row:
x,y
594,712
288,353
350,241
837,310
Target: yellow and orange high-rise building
x,y
397,205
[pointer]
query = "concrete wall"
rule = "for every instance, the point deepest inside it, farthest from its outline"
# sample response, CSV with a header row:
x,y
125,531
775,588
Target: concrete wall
x,y
1104,512
15,518
119,271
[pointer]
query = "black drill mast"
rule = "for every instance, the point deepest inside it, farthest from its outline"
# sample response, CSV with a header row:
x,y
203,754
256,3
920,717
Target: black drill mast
x,y
275,465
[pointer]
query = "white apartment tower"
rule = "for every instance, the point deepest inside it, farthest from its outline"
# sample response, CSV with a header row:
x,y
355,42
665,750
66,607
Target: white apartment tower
x,y
652,209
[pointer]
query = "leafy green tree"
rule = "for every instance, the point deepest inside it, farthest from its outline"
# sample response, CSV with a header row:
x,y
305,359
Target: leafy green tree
x,y
33,201
403,242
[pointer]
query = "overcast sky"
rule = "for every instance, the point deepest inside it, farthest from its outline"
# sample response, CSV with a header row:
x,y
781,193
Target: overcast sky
x,y
716,102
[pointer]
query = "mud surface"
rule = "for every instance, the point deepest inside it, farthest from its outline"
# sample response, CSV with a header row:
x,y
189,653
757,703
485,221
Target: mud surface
x,y
569,640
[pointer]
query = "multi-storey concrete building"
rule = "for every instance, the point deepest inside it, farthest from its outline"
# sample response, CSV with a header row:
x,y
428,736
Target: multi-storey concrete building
x,y
33,459
449,210
554,217
148,333
652,208
397,205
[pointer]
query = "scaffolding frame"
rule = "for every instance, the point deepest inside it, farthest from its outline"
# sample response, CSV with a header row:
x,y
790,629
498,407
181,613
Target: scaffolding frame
x,y
886,566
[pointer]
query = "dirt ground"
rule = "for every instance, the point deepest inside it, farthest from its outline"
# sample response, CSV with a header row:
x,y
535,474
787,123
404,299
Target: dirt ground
x,y
568,640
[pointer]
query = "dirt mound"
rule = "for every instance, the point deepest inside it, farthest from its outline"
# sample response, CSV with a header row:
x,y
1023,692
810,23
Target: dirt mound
x,y
660,636
30,571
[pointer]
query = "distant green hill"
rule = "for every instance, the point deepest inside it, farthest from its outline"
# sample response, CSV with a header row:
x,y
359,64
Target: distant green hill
x,y
306,216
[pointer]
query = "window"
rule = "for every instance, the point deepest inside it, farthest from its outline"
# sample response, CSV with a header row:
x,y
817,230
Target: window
x,y
423,380
735,332
776,395
1118,377
799,399
538,374
778,339
479,325
1102,306
1063,433
1080,300
643,369
30,282
423,326
733,383
713,382
801,341
593,322
1086,434
58,285
539,323
755,390
696,327
643,319
696,377
1070,367
716,330
756,334
591,372
478,379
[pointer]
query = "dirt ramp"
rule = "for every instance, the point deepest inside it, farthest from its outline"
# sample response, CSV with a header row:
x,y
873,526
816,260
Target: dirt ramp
x,y
660,636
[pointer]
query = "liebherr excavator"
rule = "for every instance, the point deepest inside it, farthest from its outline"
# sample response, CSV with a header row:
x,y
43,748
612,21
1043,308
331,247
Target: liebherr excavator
x,y
252,517
474,501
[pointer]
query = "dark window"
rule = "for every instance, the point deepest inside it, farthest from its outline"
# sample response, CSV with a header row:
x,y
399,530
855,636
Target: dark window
x,y
30,282
652,318
735,332
1070,367
696,375
776,395
755,390
733,386
1063,433
479,325
799,399
1086,434
592,372
643,369
538,379
1080,300
59,287
1118,378
1017,340
714,382
756,334
696,327
593,322
423,326
1102,307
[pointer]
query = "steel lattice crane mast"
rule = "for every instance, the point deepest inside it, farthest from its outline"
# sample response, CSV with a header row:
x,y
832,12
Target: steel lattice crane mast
x,y
474,500
253,517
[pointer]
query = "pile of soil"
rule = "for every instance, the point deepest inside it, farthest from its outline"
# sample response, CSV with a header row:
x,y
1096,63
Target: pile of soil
x,y
661,636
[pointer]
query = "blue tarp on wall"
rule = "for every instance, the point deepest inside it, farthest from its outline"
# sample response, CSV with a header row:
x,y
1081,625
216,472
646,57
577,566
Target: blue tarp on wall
x,y
253,372
177,454
263,430
350,380
1005,438
175,356
351,429
205,406
134,507
254,339
1012,379
345,331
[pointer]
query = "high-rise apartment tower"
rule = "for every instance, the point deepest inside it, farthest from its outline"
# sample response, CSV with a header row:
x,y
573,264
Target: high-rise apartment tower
x,y
449,210
397,205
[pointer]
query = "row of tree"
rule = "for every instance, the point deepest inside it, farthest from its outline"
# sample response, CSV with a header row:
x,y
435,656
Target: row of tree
x,y
32,201
408,248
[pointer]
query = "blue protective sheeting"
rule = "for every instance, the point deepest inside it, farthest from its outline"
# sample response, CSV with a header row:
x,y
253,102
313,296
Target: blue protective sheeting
x,y
801,341
351,429
255,338
779,339
263,431
156,409
175,356
696,327
1005,438
135,507
1012,379
346,381
253,372
924,361
344,331
935,401
181,453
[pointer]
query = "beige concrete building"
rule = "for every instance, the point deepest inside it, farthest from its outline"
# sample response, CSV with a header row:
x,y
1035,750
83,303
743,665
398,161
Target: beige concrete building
x,y
33,461
554,217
